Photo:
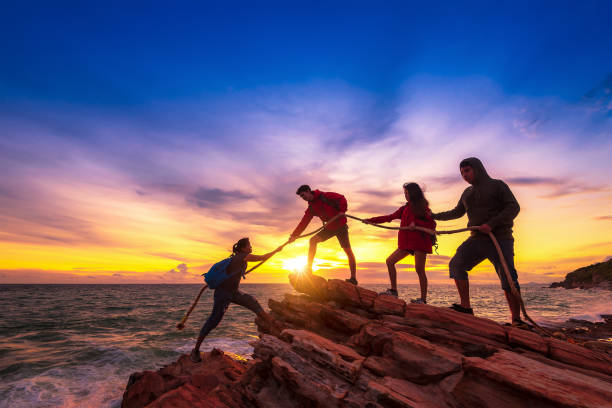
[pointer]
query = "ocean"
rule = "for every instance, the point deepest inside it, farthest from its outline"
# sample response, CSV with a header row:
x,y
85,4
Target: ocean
x,y
76,345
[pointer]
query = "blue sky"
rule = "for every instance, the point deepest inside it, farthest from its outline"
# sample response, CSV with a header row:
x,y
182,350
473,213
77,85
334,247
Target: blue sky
x,y
130,55
159,132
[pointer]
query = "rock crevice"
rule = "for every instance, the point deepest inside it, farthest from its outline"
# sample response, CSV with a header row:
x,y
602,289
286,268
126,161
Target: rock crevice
x,y
340,345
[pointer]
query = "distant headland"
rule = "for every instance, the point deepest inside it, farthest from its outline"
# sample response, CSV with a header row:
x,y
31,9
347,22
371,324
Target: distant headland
x,y
598,275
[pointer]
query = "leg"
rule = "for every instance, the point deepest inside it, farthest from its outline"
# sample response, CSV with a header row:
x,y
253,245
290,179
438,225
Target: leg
x,y
514,305
463,287
352,262
345,243
507,247
219,307
312,250
248,301
419,266
394,258
469,254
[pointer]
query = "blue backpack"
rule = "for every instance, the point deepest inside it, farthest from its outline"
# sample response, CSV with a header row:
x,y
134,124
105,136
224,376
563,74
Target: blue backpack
x,y
217,274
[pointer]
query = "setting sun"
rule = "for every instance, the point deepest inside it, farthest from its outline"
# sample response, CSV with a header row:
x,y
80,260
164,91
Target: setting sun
x,y
297,264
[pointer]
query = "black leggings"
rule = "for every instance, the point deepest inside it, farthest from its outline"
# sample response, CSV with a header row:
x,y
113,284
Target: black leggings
x,y
222,302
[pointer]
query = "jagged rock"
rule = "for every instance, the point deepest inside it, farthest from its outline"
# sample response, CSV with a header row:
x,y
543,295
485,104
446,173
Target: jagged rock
x,y
184,383
514,380
339,345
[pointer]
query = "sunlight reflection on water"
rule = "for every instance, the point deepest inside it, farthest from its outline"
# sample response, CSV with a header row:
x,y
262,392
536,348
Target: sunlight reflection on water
x,y
76,345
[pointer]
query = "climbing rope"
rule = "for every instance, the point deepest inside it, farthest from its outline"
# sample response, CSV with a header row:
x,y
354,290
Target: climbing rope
x,y
181,325
513,288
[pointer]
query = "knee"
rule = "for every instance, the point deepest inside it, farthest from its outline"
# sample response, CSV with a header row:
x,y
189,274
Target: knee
x,y
390,261
314,241
456,269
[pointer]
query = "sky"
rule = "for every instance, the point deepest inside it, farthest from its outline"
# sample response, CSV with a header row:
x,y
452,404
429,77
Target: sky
x,y
139,141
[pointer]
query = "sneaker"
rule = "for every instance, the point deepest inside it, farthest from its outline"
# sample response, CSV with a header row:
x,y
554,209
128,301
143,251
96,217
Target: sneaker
x,y
390,292
195,357
351,280
420,301
521,324
458,308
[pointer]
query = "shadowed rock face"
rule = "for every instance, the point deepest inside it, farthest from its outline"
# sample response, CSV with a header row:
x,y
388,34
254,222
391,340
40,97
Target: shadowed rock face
x,y
340,345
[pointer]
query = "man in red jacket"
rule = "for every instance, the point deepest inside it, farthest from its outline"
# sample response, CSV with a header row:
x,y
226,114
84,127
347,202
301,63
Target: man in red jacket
x,y
325,205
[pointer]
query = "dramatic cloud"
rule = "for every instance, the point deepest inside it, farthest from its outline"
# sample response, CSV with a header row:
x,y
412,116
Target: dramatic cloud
x,y
182,181
215,197
528,181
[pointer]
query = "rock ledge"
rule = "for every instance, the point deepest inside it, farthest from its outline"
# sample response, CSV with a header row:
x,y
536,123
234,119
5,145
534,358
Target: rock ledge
x,y
345,346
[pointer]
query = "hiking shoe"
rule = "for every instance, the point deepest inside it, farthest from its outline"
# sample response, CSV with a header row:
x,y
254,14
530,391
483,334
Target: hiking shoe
x,y
521,324
351,280
458,308
390,292
195,356
420,301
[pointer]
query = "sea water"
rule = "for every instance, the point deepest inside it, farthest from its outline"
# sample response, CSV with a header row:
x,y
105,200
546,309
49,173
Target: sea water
x,y
76,345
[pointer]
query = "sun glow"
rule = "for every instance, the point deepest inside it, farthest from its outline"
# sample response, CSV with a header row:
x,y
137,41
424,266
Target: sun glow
x,y
297,264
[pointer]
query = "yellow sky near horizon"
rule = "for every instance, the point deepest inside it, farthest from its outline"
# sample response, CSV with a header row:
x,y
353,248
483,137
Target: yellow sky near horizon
x,y
136,238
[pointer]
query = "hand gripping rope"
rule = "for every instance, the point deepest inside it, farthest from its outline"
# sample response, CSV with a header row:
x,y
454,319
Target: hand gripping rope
x,y
513,289
181,325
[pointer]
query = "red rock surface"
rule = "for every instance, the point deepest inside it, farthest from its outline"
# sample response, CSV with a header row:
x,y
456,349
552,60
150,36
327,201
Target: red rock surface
x,y
338,345
187,384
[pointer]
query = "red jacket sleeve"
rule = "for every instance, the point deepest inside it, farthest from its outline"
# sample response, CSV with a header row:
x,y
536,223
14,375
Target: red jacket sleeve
x,y
303,224
387,218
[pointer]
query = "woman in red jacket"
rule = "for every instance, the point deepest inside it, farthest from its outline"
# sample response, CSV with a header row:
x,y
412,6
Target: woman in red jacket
x,y
414,212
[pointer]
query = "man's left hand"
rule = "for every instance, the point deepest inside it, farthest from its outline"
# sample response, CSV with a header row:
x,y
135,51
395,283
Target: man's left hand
x,y
484,228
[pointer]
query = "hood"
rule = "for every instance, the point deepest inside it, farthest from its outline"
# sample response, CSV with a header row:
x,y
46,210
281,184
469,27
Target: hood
x,y
480,172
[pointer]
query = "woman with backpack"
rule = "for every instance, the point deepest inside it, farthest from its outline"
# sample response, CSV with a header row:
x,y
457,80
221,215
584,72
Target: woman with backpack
x,y
415,212
227,292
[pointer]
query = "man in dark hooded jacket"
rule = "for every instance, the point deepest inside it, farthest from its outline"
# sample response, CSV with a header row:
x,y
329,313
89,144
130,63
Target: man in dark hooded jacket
x,y
491,206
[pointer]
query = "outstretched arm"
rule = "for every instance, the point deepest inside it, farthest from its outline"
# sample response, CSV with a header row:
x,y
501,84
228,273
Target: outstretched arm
x,y
257,258
456,212
302,225
386,218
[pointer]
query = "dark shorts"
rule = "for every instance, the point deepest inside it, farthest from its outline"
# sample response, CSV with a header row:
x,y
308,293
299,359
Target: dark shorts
x,y
341,234
473,251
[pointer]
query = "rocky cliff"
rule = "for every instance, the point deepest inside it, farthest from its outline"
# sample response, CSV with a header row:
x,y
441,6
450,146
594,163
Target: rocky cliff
x,y
598,275
339,345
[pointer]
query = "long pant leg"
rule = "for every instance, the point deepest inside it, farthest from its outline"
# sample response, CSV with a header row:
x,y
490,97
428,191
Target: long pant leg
x,y
221,302
248,301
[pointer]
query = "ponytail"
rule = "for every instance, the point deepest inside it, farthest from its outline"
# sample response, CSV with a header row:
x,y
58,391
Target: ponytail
x,y
239,245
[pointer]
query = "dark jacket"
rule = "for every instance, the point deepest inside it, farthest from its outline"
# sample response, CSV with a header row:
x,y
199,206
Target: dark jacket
x,y
486,201
324,205
406,239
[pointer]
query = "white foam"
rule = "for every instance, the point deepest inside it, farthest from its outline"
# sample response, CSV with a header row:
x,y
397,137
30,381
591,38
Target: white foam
x,y
102,382
240,347
81,386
